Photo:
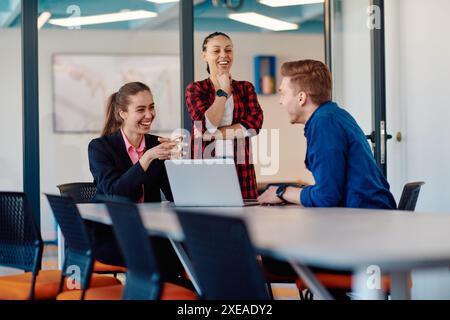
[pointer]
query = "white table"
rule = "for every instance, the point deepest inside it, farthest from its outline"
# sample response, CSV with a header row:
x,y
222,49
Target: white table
x,y
336,238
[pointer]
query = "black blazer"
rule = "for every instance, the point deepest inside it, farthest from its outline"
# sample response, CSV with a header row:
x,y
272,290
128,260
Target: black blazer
x,y
115,175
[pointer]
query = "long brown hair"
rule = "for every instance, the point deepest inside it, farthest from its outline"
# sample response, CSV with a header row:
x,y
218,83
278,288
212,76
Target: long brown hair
x,y
119,101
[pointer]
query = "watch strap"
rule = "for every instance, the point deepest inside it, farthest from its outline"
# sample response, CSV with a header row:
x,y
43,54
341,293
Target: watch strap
x,y
221,93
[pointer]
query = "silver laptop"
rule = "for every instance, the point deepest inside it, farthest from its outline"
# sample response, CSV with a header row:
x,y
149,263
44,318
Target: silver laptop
x,y
205,183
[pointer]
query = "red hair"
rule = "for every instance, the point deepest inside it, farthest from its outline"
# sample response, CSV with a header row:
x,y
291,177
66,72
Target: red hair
x,y
310,76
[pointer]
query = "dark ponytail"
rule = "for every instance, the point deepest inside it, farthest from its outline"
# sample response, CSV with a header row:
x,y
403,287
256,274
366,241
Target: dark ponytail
x,y
117,102
209,37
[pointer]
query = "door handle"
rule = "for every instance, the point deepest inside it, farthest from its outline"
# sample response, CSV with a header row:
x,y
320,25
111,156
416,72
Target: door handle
x,y
384,138
383,142
371,136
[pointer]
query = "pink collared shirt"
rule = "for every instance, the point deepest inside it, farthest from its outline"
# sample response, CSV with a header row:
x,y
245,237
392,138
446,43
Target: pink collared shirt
x,y
134,154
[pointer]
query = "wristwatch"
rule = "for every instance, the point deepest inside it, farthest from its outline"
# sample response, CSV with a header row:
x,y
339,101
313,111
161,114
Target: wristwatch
x,y
221,93
282,188
280,191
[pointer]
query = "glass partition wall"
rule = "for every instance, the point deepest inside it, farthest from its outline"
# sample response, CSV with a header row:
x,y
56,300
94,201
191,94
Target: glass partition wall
x,y
11,173
87,51
11,152
265,34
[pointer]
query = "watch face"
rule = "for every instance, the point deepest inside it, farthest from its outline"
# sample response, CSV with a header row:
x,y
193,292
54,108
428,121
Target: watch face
x,y
280,191
221,93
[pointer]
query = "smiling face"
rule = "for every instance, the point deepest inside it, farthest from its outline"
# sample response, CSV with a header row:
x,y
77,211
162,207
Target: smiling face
x,y
218,54
140,113
292,99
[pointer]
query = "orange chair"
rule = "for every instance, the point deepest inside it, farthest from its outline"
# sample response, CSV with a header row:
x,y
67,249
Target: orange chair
x,y
169,292
22,248
84,192
104,268
343,282
46,285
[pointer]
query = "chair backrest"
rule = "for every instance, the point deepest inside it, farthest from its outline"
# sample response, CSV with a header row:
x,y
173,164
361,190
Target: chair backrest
x,y
80,192
78,259
21,244
143,277
223,257
410,195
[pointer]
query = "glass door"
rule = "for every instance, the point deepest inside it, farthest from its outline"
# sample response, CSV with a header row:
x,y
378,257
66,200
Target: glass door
x,y
356,54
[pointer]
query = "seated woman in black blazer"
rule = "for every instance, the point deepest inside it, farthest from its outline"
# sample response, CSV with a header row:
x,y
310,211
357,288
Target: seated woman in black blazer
x,y
126,161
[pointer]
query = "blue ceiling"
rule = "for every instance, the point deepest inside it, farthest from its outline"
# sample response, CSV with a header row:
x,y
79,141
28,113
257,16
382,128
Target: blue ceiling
x,y
207,17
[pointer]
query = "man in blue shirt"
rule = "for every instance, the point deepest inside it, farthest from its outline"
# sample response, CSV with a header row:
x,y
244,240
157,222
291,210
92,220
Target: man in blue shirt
x,y
338,154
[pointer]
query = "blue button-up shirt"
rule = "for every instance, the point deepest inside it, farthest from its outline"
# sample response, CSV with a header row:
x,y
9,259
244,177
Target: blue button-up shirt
x,y
342,163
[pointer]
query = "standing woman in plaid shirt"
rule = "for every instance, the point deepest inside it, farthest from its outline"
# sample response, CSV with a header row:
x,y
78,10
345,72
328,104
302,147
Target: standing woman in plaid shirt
x,y
225,113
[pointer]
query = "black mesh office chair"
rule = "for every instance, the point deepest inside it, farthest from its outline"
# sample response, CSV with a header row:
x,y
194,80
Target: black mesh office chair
x,y
143,277
79,257
223,257
80,192
409,196
84,192
21,245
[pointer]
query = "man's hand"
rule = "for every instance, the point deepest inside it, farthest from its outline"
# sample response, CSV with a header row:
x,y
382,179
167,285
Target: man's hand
x,y
270,196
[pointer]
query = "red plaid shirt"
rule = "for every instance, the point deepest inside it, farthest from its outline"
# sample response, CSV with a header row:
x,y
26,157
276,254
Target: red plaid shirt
x,y
200,96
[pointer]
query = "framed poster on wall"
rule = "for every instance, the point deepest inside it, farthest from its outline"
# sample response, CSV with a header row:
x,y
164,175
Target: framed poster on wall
x,y
265,76
82,84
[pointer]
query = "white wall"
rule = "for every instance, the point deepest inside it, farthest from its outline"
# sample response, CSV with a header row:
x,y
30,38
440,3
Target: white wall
x,y
11,110
395,94
419,72
424,70
63,157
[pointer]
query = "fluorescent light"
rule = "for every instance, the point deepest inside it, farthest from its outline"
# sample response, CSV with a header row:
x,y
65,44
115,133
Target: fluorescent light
x,y
103,18
261,21
284,3
162,1
43,18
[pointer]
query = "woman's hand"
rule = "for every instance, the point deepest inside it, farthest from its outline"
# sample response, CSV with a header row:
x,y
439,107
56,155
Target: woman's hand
x,y
215,112
163,151
224,81
177,151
